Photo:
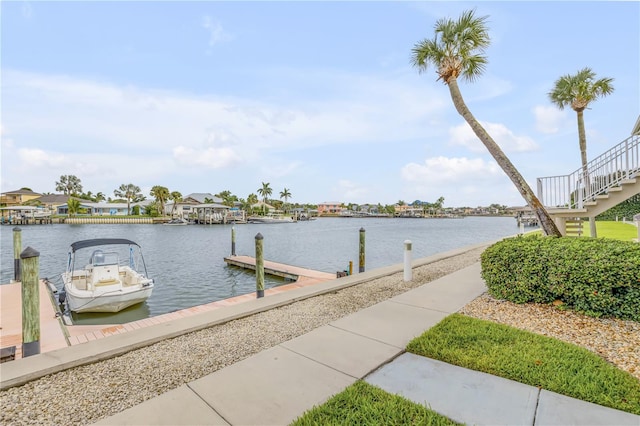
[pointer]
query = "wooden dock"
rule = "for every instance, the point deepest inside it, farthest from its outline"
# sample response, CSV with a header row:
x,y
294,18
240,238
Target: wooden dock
x,y
54,334
289,272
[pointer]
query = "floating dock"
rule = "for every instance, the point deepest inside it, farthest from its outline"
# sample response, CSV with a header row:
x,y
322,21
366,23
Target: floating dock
x,y
289,272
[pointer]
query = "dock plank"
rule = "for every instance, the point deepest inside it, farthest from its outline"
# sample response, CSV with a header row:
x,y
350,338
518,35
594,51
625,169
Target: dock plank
x,y
279,269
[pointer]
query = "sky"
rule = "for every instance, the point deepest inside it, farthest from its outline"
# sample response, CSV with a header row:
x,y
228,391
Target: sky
x,y
319,97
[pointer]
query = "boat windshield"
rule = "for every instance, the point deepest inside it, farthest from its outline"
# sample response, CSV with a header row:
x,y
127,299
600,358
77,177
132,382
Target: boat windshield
x,y
98,257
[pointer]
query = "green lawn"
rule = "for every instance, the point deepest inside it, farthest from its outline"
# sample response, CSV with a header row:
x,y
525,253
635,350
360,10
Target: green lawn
x,y
616,230
364,404
529,358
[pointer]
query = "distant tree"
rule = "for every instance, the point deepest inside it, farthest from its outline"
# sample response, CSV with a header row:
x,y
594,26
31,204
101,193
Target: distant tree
x,y
161,195
99,197
73,206
286,194
400,203
457,49
176,197
208,200
135,210
69,185
129,192
265,192
24,188
252,199
578,91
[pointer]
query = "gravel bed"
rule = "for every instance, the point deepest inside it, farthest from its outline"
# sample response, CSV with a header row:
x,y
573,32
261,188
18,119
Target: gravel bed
x,y
615,340
86,394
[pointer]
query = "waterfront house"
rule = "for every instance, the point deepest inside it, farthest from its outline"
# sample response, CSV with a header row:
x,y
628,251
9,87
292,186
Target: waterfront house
x,y
17,197
329,208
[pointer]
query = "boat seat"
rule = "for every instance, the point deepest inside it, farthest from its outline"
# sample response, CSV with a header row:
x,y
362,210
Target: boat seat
x,y
105,275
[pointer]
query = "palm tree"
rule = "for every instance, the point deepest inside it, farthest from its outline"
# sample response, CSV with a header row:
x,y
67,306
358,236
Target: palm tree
x,y
457,49
176,197
265,192
161,195
128,191
252,199
99,197
73,206
286,194
578,91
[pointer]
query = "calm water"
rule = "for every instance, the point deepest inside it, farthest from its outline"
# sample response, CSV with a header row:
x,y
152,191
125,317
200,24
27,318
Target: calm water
x,y
187,263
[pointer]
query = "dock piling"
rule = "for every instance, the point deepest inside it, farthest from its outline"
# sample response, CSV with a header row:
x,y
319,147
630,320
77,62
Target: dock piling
x,y
233,241
408,272
361,265
17,248
259,266
30,302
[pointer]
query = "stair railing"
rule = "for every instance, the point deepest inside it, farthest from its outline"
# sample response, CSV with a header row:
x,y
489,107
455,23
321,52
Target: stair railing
x,y
572,191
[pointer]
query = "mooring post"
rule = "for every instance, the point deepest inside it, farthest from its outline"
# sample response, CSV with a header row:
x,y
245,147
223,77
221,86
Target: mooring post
x,y
17,248
521,228
361,265
408,272
30,302
233,241
351,267
259,267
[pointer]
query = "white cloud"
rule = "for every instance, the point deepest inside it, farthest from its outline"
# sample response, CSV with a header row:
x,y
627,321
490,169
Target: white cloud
x,y
211,157
35,158
462,135
438,170
217,34
349,190
549,119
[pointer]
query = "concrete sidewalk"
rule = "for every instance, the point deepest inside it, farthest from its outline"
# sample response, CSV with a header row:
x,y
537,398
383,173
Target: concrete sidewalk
x,y
277,385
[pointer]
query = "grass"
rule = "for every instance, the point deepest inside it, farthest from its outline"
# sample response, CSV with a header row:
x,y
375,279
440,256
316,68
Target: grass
x,y
616,230
364,404
529,358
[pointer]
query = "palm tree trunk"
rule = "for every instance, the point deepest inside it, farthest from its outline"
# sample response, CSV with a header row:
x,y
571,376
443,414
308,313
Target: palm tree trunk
x,y
546,222
582,138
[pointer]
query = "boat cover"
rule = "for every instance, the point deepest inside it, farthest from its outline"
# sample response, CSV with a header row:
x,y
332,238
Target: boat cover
x,y
99,242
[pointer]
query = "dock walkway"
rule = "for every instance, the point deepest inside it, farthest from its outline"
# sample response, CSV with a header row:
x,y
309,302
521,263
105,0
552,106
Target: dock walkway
x,y
290,272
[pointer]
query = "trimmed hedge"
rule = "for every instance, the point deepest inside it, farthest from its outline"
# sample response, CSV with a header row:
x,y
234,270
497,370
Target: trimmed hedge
x,y
596,276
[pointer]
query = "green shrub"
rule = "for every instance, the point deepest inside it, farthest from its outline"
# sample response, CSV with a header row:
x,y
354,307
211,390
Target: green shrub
x,y
599,277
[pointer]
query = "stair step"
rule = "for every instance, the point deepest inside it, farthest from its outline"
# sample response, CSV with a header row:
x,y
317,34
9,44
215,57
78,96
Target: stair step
x,y
615,189
602,197
627,182
590,203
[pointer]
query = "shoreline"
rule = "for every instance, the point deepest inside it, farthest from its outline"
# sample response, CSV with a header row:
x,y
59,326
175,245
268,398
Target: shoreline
x,y
135,376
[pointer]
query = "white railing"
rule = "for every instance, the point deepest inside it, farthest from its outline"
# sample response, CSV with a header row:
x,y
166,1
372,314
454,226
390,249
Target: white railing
x,y
622,162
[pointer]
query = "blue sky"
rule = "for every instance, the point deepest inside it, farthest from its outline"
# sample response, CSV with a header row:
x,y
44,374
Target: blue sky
x,y
316,97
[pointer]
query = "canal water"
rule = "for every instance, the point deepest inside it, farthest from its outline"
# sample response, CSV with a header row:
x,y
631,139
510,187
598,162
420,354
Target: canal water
x,y
186,262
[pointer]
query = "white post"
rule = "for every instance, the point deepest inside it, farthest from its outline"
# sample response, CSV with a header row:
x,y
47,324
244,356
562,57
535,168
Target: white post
x,y
521,227
408,272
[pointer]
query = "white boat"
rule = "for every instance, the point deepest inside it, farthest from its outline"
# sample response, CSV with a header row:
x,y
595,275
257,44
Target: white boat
x,y
270,218
177,221
112,276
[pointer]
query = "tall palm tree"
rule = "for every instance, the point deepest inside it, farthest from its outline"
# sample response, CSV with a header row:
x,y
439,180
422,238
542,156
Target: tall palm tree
x,y
99,197
252,199
161,195
578,91
286,194
457,49
265,192
176,197
128,191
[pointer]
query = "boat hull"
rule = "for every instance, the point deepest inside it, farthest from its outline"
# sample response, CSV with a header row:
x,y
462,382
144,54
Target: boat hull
x,y
80,301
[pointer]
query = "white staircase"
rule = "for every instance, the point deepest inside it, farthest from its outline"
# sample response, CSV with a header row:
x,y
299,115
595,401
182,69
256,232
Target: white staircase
x,y
609,179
